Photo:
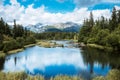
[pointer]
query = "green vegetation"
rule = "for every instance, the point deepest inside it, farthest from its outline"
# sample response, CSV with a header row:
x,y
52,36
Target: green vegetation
x,y
14,39
60,77
56,35
104,32
48,44
2,54
13,76
100,47
15,51
24,76
112,75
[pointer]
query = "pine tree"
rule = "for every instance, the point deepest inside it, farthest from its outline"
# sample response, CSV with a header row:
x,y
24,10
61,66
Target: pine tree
x,y
7,30
2,26
91,20
102,22
1,30
118,15
113,21
1,38
14,30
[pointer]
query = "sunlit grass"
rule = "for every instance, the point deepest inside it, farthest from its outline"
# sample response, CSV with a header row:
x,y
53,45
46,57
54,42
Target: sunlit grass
x,y
112,75
30,45
24,76
100,47
61,77
2,54
15,51
48,44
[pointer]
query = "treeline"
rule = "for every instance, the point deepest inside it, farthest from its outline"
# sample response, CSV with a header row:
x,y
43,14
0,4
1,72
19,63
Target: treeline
x,y
14,37
56,35
105,32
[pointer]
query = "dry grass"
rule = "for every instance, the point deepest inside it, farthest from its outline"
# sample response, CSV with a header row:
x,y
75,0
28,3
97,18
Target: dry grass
x,y
60,77
30,45
15,51
100,47
48,44
24,76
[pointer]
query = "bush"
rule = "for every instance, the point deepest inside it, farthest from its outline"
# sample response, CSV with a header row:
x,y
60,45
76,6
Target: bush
x,y
30,40
101,36
10,45
113,75
1,47
13,76
92,40
113,40
21,41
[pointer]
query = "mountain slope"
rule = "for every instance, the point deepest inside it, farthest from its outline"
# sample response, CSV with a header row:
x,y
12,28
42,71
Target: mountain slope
x,y
60,27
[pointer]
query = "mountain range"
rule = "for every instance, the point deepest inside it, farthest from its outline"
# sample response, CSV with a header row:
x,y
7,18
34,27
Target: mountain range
x,y
58,27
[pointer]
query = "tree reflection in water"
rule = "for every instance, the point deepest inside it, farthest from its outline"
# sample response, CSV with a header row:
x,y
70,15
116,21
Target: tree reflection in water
x,y
92,56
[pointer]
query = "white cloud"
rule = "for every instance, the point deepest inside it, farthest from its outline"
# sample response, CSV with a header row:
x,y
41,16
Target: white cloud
x,y
117,7
84,3
30,15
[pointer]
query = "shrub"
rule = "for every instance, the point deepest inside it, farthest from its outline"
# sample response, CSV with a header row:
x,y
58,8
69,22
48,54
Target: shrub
x,y
30,40
1,47
20,41
113,75
10,45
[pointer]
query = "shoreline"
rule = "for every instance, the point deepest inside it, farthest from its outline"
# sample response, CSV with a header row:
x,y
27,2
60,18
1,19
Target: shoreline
x,y
100,47
43,43
96,46
24,76
3,54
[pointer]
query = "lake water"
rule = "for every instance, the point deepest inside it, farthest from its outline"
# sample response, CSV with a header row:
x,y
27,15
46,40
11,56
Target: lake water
x,y
69,60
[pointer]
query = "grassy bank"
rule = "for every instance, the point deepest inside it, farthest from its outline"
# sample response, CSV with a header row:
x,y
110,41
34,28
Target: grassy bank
x,y
100,47
15,51
112,75
42,43
48,44
2,54
24,76
30,45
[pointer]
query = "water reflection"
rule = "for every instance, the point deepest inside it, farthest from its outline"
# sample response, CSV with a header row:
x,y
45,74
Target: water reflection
x,y
67,61
99,59
45,60
2,60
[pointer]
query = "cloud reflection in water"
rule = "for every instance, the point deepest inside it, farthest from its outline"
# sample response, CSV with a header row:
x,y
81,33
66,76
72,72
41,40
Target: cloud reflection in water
x,y
39,59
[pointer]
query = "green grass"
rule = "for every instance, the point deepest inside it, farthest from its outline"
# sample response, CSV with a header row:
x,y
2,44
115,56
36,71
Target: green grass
x,y
48,44
62,77
24,76
2,54
100,47
113,74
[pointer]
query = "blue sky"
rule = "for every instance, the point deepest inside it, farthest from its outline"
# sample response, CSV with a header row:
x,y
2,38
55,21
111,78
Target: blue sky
x,y
68,5
54,11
